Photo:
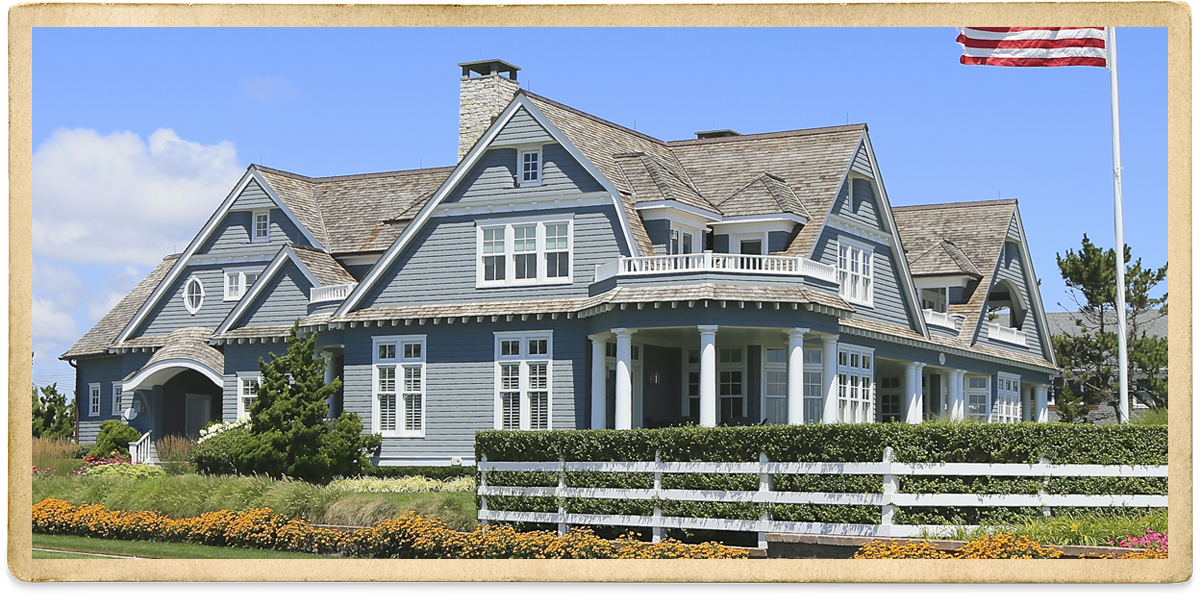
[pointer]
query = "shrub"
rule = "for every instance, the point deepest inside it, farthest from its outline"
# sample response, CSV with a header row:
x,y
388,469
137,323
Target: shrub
x,y
216,454
92,462
53,414
438,473
114,436
126,471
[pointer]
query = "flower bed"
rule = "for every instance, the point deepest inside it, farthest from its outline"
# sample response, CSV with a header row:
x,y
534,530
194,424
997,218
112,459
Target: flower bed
x,y
407,536
1000,545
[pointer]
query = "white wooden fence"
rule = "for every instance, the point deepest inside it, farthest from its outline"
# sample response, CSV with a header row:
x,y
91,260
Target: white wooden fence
x,y
888,501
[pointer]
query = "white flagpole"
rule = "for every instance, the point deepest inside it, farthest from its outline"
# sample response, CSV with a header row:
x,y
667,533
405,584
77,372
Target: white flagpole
x,y
1122,352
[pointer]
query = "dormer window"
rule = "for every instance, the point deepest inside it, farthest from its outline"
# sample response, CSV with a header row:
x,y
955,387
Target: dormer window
x,y
530,167
262,226
855,272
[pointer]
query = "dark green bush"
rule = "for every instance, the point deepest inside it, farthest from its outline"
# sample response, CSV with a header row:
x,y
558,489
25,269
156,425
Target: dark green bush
x,y
216,455
114,435
438,473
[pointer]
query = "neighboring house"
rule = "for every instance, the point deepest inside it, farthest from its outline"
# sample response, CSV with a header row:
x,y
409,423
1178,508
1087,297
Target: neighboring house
x,y
570,273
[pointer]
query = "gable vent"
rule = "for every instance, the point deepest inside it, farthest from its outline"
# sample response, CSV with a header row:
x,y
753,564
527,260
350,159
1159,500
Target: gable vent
x,y
486,88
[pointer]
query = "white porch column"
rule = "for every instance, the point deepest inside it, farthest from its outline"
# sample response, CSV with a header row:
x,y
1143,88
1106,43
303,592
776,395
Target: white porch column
x,y
829,367
795,390
624,403
708,375
913,412
958,404
1041,410
599,379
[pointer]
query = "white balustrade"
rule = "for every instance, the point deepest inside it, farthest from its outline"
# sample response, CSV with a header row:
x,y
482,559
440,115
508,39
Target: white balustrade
x,y
139,451
996,331
711,261
942,319
330,292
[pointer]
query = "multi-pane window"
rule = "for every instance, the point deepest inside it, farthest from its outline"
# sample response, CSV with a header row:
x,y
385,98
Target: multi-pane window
x,y
531,167
116,399
538,253
889,399
1008,399
691,401
193,294
93,399
248,384
855,268
856,394
262,227
237,282
523,366
731,393
814,393
934,299
776,385
399,385
978,391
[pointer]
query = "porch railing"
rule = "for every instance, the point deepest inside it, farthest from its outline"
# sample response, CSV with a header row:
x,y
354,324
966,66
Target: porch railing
x,y
996,331
888,501
942,319
330,292
711,261
139,451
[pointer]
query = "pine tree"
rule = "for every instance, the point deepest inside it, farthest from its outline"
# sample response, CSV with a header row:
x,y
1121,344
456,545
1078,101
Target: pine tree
x,y
290,434
53,414
1090,357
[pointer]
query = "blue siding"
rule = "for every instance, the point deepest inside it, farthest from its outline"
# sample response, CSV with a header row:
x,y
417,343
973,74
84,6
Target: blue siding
x,y
777,241
659,231
861,208
284,300
170,313
888,301
103,371
241,358
522,128
721,243
253,197
862,163
232,236
1012,269
494,178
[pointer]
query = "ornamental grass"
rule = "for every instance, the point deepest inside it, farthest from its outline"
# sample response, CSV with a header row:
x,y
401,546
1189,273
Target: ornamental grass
x,y
406,536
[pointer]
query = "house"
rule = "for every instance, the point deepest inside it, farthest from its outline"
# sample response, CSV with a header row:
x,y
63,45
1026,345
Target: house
x,y
570,273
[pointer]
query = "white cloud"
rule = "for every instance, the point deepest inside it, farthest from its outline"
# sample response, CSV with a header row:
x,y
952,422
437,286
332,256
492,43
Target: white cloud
x,y
269,90
118,199
51,324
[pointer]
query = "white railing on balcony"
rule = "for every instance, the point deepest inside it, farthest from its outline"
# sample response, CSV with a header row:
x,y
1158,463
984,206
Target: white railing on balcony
x,y
996,331
330,292
710,261
139,451
942,319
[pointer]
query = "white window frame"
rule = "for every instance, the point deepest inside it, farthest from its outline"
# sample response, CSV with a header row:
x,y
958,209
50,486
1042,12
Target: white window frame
x,y
399,362
187,304
982,410
675,239
523,360
242,285
521,152
731,366
779,368
814,385
945,291
736,239
242,379
254,237
510,270
845,269
1007,407
116,398
93,399
855,384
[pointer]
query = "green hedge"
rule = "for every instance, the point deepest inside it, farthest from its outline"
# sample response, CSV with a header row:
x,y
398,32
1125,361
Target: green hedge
x,y
1020,443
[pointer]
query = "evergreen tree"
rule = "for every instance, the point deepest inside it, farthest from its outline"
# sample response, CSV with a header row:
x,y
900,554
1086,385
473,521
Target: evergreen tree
x,y
290,434
53,414
1090,357
1071,408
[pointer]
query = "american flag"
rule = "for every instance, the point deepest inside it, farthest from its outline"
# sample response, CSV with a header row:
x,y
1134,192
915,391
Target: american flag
x,y
1033,46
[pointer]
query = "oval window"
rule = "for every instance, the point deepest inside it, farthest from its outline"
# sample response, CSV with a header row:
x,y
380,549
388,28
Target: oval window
x,y
193,294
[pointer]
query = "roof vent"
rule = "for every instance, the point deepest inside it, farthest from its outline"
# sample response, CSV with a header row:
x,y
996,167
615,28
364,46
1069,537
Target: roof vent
x,y
483,95
716,133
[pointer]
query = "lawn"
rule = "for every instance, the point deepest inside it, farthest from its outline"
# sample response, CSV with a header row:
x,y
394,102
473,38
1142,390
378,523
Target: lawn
x,y
148,549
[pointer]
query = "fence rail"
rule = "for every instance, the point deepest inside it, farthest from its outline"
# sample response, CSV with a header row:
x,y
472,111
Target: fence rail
x,y
888,501
139,451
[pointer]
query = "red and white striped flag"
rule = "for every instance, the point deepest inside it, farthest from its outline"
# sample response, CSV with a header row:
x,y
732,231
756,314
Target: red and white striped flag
x,y
1033,46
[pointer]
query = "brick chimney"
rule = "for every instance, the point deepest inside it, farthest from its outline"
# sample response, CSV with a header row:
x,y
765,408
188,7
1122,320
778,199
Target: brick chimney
x,y
484,92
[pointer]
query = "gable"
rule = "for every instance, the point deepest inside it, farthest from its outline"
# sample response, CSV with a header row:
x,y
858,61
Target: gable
x,y
493,180
862,162
282,300
1014,272
169,312
857,204
522,129
253,197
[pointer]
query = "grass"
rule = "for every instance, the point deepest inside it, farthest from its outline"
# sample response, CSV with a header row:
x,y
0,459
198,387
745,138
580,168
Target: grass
x,y
191,495
149,549
1153,416
1078,529
57,455
73,556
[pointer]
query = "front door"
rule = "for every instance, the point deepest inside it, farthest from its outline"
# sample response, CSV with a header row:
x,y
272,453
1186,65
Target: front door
x,y
196,414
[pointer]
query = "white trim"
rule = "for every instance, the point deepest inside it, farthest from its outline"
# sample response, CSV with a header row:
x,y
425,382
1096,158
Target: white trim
x,y
398,363
93,399
942,281
209,227
456,177
364,259
265,276
931,344
677,205
1002,395
425,461
523,360
116,398
254,237
136,380
241,408
509,206
986,391
1035,293
521,152
771,218
187,304
845,225
242,273
759,236
866,259
509,225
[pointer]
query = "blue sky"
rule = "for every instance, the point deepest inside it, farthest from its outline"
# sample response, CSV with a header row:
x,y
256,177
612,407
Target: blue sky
x,y
138,134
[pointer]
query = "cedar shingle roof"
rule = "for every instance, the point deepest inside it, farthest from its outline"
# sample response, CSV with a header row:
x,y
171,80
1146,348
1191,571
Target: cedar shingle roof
x,y
270,331
943,258
190,343
102,334
327,270
763,195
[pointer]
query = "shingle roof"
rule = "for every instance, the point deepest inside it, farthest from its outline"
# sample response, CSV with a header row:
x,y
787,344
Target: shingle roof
x,y
327,270
102,334
270,331
1153,323
943,258
189,343
297,194
650,180
962,343
763,195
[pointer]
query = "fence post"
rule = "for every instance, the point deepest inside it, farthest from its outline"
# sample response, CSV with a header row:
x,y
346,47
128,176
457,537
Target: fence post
x,y
891,485
558,495
1045,460
766,483
483,489
656,531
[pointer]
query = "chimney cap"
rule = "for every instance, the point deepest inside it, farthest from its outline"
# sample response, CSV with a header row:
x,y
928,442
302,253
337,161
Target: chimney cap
x,y
493,66
716,133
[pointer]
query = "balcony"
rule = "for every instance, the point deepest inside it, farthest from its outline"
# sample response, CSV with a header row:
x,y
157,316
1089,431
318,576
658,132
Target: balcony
x,y
1000,333
716,263
330,292
942,319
